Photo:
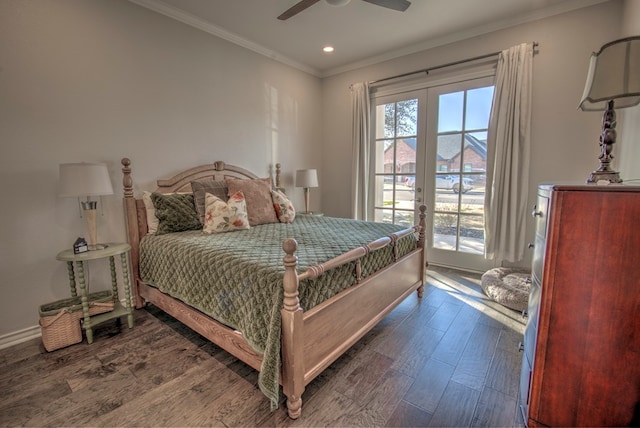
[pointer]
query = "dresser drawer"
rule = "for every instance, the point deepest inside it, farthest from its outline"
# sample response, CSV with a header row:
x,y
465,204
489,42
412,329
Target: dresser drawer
x,y
531,329
537,260
525,387
540,212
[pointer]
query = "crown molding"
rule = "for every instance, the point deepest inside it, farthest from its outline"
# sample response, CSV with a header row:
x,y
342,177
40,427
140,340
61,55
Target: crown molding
x,y
191,20
194,21
466,34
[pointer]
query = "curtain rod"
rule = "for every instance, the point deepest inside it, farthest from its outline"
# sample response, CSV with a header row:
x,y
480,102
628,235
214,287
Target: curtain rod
x,y
437,67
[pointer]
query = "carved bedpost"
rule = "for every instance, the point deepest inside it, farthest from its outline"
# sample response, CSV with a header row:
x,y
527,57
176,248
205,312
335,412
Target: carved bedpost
x,y
277,181
127,182
292,337
422,243
131,224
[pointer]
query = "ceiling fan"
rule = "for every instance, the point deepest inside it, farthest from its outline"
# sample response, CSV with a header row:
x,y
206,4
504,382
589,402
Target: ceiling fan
x,y
400,5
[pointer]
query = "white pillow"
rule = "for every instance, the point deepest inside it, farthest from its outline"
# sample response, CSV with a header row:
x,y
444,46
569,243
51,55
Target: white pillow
x,y
221,216
152,220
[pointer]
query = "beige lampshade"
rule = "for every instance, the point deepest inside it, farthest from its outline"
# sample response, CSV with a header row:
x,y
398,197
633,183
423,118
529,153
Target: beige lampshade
x,y
306,178
84,179
614,74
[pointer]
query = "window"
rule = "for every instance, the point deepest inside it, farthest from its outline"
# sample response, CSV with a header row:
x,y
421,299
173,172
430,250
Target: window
x,y
460,136
396,160
430,147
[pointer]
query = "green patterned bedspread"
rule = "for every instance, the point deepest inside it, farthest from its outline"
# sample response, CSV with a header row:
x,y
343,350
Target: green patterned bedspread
x,y
237,277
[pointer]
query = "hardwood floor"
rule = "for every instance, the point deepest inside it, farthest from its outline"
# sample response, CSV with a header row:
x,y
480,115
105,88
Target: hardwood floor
x,y
449,359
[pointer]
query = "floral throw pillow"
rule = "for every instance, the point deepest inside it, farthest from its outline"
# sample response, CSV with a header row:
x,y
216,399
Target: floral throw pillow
x,y
221,216
283,206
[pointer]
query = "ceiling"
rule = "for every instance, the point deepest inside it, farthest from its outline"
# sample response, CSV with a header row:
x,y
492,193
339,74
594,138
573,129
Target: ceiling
x,y
362,33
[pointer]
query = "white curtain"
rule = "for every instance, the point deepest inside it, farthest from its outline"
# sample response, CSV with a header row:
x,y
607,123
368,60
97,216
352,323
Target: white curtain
x,y
361,153
508,156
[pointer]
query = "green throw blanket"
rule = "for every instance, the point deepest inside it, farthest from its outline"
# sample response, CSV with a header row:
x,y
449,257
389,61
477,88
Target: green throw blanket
x,y
236,277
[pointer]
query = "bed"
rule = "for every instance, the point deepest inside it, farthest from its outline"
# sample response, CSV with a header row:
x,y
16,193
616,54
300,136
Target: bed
x,y
313,286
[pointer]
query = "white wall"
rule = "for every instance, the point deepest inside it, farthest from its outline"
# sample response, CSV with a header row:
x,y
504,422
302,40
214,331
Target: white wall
x,y
564,141
104,79
627,151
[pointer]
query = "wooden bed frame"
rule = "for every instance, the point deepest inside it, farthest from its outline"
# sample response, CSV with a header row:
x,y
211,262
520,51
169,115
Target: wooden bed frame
x,y
311,340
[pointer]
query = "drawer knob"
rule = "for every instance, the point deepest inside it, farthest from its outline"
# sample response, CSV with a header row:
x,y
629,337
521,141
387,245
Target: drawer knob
x,y
531,245
527,280
535,212
525,313
520,347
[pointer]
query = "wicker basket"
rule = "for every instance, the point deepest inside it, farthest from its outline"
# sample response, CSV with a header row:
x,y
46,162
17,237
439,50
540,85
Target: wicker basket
x,y
60,320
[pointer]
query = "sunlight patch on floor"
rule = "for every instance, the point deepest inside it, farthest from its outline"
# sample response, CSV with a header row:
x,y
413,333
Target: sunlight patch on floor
x,y
475,298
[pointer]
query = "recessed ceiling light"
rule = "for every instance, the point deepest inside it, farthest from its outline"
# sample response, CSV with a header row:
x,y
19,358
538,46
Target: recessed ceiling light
x,y
327,49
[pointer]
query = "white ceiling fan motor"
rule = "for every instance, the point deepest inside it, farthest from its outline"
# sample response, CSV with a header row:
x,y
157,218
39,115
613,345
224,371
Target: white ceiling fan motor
x,y
337,2
400,5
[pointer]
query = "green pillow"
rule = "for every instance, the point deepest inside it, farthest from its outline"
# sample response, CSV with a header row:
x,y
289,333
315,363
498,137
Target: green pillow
x,y
176,212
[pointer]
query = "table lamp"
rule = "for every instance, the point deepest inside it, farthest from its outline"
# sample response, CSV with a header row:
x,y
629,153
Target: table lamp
x,y
614,75
86,180
306,178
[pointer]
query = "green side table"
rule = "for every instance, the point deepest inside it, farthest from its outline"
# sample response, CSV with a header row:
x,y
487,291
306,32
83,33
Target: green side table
x,y
111,251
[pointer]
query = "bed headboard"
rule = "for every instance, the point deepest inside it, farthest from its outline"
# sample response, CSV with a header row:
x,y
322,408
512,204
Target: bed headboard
x,y
181,182
135,211
218,171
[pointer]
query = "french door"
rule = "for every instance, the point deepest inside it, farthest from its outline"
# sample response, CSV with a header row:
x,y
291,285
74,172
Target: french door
x,y
431,148
398,155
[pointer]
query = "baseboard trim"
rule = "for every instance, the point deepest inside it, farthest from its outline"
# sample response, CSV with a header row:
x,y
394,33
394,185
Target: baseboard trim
x,y
20,336
454,268
25,334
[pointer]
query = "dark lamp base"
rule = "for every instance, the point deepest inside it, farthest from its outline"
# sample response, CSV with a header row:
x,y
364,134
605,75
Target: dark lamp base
x,y
610,176
607,140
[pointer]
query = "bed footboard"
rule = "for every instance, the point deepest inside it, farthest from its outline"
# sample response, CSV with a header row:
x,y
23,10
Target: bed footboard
x,y
312,340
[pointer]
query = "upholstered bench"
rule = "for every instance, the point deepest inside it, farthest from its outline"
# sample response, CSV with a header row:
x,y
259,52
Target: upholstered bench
x,y
507,286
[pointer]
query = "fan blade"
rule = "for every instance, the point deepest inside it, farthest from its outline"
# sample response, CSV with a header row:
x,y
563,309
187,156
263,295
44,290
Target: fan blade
x,y
297,8
400,5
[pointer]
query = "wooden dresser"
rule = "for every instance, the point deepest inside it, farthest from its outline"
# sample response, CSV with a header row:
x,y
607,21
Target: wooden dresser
x,y
581,359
